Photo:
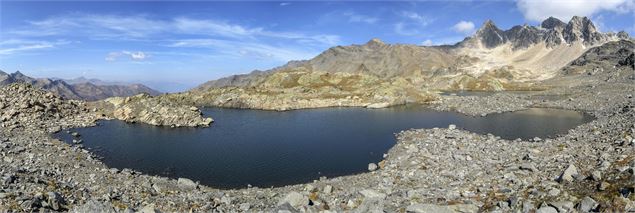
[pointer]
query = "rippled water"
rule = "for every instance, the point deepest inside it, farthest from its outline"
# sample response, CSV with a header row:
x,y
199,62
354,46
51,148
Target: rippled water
x,y
266,148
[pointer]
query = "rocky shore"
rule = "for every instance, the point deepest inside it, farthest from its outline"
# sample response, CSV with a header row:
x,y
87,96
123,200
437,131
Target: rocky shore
x,y
428,170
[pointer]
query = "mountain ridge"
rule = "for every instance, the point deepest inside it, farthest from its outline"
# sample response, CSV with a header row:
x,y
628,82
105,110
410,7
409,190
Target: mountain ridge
x,y
81,90
527,53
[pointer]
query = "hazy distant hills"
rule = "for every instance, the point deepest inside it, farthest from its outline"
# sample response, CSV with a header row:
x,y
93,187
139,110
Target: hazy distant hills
x,y
81,88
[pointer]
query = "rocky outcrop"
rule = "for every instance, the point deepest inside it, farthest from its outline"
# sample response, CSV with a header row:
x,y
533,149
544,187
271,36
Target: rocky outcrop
x,y
80,91
604,57
300,88
24,105
152,110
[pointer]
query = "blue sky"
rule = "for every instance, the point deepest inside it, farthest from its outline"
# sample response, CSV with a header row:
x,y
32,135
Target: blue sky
x,y
186,43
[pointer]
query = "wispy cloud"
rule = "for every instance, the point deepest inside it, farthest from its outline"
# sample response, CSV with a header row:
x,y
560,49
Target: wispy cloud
x,y
412,23
285,4
13,46
416,17
240,40
135,56
140,26
358,18
247,49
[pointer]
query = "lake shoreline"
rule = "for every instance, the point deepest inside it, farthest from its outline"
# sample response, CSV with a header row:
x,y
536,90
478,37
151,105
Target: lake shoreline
x,y
512,175
266,148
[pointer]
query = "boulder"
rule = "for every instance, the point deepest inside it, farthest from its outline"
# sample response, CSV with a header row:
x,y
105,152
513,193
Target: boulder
x,y
294,199
372,167
587,204
186,183
378,105
569,174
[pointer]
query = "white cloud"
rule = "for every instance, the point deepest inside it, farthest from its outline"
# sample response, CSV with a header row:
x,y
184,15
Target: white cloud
x,y
412,24
139,27
401,29
421,19
247,49
358,18
466,27
13,46
285,4
135,56
538,10
442,41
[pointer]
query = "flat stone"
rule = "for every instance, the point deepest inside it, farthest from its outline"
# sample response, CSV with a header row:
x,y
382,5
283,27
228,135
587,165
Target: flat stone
x,y
587,204
149,209
431,208
94,206
547,209
372,194
328,189
294,199
563,206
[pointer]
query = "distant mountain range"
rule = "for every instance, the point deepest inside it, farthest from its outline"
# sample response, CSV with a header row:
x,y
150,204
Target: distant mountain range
x,y
80,88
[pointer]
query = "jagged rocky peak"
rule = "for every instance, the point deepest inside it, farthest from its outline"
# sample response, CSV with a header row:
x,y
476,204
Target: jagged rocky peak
x,y
17,74
552,23
623,35
490,36
523,36
551,31
375,42
582,29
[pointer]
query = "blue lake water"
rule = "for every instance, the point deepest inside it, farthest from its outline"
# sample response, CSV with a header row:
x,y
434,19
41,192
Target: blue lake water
x,y
268,148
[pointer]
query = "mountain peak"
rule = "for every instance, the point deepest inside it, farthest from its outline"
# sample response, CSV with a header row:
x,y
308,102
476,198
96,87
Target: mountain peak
x,y
552,23
582,29
17,73
577,19
375,42
489,35
488,24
